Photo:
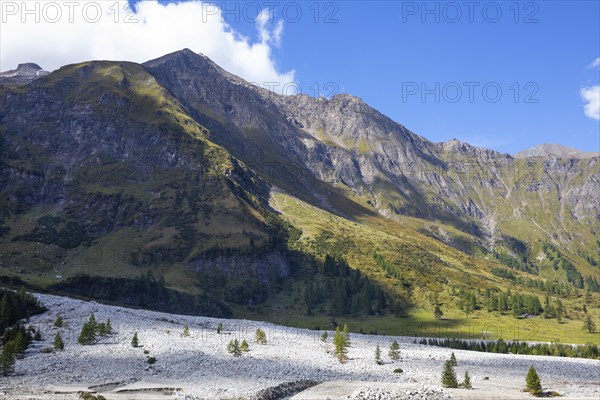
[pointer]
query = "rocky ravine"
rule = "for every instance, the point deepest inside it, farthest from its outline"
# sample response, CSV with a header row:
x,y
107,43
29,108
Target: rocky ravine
x,y
199,366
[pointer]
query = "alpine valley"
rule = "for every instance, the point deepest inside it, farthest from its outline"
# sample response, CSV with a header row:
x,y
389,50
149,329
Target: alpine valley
x,y
176,186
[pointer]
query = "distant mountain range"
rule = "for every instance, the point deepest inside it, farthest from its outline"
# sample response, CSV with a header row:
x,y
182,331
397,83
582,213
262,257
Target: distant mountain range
x,y
555,150
182,168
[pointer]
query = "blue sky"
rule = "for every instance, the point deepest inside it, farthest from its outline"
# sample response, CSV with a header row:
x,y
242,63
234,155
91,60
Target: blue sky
x,y
504,75
384,53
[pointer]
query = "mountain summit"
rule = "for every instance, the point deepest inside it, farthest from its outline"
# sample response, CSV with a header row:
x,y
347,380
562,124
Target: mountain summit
x,y
24,73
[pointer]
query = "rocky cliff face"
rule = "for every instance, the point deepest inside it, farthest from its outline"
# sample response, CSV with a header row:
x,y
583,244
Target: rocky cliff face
x,y
349,145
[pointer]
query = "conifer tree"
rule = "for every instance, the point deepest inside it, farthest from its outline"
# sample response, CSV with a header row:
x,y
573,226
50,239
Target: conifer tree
x,y
234,348
394,352
134,340
449,376
108,327
261,336
466,383
453,360
58,322
101,329
244,346
58,342
89,330
339,341
7,359
378,360
346,336
533,383
589,324
186,330
37,336
220,328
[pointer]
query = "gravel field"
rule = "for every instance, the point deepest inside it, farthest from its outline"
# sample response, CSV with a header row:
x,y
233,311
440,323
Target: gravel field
x,y
292,363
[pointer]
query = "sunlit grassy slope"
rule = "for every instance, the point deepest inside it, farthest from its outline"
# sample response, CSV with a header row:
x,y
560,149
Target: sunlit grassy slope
x,y
430,268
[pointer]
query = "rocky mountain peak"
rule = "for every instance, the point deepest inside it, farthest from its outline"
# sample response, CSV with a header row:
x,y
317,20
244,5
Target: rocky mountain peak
x,y
25,72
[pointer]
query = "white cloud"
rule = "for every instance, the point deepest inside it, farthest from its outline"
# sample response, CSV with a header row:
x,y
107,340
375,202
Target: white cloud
x,y
269,37
118,34
591,95
595,63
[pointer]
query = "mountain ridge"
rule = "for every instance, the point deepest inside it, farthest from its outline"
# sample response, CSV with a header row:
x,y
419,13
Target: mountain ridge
x,y
224,187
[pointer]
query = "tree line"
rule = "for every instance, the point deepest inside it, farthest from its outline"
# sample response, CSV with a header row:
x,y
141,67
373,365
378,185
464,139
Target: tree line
x,y
589,350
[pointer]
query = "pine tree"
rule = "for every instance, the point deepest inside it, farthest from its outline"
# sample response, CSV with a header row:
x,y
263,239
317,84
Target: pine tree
x,y
84,335
58,342
453,360
244,346
92,322
394,352
346,335
533,383
378,360
89,330
101,329
234,348
449,376
339,341
108,327
437,313
466,383
58,322
7,359
37,336
261,336
186,330
220,328
134,340
589,324
21,341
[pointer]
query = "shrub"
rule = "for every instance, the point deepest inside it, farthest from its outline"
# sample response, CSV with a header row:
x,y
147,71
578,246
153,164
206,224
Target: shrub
x,y
151,360
398,371
324,337
89,396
